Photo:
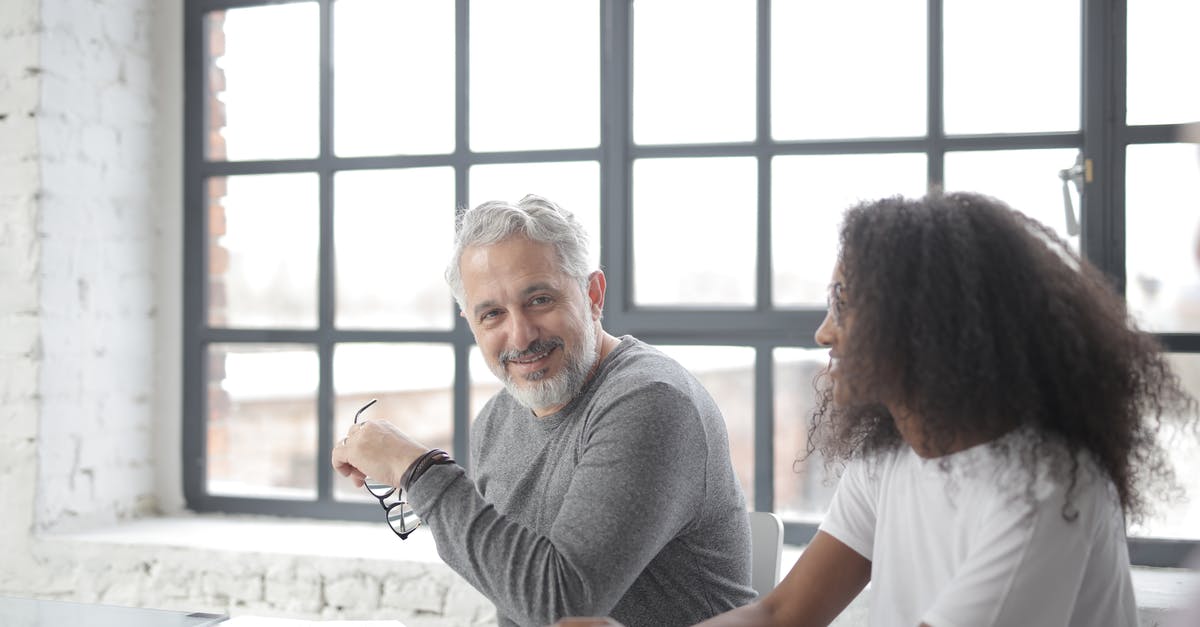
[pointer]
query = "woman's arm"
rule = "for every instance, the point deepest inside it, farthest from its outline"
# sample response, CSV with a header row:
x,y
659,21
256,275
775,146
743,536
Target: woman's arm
x,y
823,582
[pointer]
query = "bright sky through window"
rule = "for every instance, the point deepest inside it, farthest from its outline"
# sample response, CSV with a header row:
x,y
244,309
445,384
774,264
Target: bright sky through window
x,y
393,94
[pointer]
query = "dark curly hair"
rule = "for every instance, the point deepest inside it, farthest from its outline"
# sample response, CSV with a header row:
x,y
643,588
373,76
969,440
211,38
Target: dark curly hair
x,y
980,320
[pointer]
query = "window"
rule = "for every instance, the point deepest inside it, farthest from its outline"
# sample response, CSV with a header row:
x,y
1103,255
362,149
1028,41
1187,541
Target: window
x,y
323,172
1154,196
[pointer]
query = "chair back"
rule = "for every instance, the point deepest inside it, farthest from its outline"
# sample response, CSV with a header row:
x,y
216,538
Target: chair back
x,y
766,550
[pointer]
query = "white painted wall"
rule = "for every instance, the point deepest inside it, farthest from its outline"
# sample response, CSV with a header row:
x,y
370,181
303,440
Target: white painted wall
x,y
20,255
79,269
96,229
90,351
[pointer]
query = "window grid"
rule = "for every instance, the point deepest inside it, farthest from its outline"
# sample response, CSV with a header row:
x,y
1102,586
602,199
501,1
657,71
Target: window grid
x,y
763,327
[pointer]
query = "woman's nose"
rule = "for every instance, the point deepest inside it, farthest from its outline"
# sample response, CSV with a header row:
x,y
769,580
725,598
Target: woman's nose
x,y
826,333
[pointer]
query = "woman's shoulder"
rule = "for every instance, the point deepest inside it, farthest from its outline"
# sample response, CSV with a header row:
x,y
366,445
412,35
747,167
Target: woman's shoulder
x,y
1043,471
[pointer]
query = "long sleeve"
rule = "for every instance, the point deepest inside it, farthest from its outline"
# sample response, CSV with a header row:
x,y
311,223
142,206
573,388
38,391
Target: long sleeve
x,y
637,472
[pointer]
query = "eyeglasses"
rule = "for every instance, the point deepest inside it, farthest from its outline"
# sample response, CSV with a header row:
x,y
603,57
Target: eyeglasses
x,y
400,518
836,302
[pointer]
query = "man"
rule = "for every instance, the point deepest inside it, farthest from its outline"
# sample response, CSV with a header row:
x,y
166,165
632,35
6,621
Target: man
x,y
602,483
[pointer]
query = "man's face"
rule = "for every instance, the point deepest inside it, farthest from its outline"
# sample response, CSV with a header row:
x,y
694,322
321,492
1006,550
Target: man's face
x,y
535,327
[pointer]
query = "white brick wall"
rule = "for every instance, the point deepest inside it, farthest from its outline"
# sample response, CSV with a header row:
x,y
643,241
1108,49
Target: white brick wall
x,y
97,268
90,219
20,252
264,583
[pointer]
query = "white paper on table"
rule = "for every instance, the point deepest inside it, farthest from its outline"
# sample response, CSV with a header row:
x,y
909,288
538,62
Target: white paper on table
x,y
271,621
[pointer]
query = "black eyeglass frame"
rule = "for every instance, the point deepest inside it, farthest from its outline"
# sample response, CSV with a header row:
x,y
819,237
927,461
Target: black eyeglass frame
x,y
836,302
387,491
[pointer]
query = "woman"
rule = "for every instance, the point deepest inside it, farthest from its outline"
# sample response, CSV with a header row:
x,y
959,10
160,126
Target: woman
x,y
996,411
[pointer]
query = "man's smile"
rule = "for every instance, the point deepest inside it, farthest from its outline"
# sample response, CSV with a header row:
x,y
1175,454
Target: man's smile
x,y
532,363
532,358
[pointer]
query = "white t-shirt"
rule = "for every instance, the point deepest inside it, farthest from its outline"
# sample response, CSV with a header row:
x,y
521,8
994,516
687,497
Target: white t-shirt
x,y
966,547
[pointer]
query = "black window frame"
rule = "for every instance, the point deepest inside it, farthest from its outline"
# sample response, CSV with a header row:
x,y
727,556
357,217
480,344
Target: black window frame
x,y
1102,139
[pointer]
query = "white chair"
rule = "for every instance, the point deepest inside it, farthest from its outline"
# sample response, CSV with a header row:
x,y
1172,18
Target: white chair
x,y
766,549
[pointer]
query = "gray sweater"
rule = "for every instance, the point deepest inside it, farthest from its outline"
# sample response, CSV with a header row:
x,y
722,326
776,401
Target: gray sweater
x,y
624,503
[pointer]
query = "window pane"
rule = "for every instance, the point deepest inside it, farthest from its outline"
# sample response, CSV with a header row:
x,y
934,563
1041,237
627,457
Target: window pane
x,y
694,231
809,194
827,85
394,232
1161,86
1012,67
1179,518
727,372
693,77
803,488
484,384
1025,179
268,104
263,251
535,74
414,385
262,420
393,77
1162,236
573,185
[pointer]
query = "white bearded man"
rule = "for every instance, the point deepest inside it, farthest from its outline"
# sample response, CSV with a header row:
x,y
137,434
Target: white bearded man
x,y
600,481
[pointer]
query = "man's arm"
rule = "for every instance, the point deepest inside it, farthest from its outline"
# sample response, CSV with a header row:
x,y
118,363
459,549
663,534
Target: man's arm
x,y
638,484
823,582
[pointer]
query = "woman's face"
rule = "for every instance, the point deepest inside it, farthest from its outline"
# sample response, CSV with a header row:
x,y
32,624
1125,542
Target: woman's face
x,y
832,333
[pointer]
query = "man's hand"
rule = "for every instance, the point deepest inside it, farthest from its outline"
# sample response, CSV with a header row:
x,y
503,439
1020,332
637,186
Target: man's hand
x,y
375,449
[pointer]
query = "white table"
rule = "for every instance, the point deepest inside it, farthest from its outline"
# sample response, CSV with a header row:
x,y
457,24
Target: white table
x,y
17,612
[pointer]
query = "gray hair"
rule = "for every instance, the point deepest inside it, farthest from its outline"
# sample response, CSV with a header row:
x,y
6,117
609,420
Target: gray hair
x,y
532,217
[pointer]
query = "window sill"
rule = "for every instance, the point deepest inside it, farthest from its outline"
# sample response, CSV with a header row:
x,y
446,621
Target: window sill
x,y
264,534
259,566
1160,591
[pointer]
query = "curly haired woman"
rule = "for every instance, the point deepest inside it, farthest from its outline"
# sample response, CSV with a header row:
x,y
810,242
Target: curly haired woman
x,y
997,413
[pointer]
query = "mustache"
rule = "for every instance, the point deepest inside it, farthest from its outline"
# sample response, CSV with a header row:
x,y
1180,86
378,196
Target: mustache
x,y
536,347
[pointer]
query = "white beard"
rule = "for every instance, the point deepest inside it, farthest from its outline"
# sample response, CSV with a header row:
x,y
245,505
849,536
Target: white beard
x,y
538,393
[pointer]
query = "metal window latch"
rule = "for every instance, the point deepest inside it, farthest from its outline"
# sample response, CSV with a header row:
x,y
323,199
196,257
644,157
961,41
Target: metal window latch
x,y
1077,174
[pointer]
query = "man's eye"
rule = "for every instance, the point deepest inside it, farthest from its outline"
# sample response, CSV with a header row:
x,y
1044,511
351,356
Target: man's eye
x,y
539,300
490,314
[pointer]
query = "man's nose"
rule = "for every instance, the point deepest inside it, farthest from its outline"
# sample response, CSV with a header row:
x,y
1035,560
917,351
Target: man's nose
x,y
522,330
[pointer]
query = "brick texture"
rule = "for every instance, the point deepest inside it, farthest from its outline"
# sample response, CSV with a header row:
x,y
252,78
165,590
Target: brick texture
x,y
81,360
96,233
237,583
20,254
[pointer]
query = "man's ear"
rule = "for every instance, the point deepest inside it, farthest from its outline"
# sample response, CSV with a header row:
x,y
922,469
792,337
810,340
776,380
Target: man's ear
x,y
597,285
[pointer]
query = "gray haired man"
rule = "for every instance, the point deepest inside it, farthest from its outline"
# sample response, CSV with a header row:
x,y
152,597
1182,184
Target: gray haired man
x,y
601,482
